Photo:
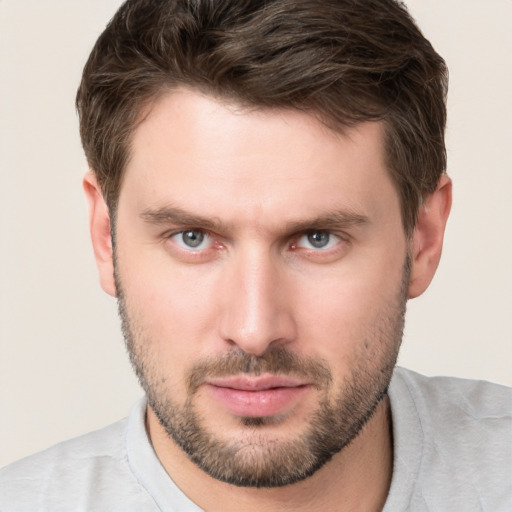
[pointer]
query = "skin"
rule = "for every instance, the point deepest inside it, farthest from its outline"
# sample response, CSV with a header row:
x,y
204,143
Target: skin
x,y
256,182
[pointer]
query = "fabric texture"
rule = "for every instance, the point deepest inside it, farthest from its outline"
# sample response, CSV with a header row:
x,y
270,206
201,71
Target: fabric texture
x,y
452,452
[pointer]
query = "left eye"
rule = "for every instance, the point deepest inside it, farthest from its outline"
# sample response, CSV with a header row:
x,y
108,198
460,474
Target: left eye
x,y
317,240
192,239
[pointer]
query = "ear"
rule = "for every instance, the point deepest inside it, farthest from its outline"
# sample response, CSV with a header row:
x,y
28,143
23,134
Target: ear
x,y
427,241
99,225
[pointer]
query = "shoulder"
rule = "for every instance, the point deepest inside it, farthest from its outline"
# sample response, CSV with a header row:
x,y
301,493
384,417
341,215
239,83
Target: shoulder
x,y
447,405
97,445
461,430
73,475
476,399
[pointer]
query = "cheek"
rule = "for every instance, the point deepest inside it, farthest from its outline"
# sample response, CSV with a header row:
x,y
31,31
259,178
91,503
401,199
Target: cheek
x,y
351,314
171,309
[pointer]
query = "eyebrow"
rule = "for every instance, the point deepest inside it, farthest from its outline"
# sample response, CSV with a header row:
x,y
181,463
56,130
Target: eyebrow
x,y
180,217
333,219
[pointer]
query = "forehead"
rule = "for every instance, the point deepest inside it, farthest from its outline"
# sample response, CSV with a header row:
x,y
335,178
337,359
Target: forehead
x,y
214,158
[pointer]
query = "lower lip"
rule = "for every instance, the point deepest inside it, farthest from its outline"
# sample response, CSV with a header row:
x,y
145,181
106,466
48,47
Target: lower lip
x,y
262,403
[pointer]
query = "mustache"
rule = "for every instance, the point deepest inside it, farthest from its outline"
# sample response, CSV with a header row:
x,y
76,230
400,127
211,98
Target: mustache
x,y
276,361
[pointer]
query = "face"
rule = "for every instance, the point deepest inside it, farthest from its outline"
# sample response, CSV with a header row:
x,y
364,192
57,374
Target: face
x,y
261,270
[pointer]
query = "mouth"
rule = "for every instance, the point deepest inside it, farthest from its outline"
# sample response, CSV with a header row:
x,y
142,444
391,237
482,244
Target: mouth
x,y
257,396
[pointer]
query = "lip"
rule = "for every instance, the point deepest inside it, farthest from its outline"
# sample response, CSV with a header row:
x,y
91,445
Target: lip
x,y
257,396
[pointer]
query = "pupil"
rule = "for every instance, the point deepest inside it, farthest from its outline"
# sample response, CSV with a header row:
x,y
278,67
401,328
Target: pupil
x,y
318,239
193,238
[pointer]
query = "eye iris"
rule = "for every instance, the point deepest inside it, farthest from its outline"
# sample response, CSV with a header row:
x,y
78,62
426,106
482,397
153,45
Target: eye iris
x,y
192,238
318,239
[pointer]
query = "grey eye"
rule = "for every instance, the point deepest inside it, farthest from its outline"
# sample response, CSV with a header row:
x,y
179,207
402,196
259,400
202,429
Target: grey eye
x,y
319,239
192,238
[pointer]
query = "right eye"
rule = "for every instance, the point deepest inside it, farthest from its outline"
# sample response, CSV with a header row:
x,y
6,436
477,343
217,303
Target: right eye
x,y
192,240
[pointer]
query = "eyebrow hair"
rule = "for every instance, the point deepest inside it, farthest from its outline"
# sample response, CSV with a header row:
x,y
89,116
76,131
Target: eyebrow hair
x,y
175,215
333,219
178,216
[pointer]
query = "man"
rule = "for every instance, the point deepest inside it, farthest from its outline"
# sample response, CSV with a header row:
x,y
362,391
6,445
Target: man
x,y
267,189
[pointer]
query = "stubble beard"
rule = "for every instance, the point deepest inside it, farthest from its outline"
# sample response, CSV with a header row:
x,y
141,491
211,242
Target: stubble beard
x,y
256,459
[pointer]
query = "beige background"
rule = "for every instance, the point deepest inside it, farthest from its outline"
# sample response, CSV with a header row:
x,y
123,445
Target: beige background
x,y
63,370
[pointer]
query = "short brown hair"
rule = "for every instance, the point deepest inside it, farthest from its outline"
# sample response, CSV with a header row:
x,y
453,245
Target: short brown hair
x,y
345,61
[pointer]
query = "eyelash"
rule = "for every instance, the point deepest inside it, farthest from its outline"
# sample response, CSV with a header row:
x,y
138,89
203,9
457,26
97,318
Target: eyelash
x,y
182,233
340,243
320,232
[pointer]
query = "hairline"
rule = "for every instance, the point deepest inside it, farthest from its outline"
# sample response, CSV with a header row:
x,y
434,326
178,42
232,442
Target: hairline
x,y
333,126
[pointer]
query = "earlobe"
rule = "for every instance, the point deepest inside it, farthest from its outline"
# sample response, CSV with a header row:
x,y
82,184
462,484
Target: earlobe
x,y
427,241
99,225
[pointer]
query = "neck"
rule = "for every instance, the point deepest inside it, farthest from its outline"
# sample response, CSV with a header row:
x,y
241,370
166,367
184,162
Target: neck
x,y
356,479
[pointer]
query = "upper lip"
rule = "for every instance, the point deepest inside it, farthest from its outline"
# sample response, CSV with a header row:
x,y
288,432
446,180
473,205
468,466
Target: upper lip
x,y
256,382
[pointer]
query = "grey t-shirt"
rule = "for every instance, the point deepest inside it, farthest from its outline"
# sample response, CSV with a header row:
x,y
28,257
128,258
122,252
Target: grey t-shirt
x,y
452,452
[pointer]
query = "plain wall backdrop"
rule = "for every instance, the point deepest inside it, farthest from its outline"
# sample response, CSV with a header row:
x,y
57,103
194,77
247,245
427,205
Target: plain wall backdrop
x,y
63,368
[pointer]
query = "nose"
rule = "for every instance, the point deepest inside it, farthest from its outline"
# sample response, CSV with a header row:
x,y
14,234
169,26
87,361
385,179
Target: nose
x,y
256,304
